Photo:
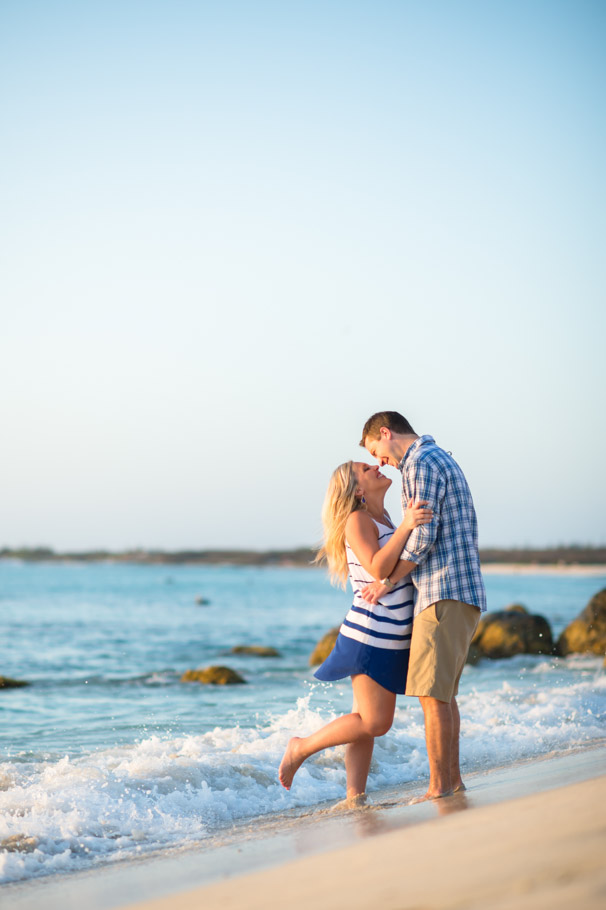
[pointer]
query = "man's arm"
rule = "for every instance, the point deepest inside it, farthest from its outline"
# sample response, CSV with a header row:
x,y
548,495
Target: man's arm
x,y
427,483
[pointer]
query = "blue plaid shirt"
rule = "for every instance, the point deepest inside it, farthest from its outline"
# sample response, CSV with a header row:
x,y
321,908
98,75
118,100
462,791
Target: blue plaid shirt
x,y
446,549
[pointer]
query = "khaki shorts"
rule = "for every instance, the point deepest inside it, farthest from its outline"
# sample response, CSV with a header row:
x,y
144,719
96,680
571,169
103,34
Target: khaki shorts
x,y
441,635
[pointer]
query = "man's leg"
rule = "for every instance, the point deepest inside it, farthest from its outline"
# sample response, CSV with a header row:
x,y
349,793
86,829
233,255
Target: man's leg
x,y
440,640
455,769
439,732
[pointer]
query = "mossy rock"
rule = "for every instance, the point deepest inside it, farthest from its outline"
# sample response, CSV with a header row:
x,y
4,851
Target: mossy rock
x,y
7,683
587,633
255,651
324,647
509,632
19,843
214,676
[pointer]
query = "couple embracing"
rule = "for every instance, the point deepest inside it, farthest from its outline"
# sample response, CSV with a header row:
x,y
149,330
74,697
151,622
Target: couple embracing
x,y
418,596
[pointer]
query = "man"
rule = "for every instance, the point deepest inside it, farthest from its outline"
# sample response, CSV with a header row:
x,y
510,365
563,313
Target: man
x,y
444,563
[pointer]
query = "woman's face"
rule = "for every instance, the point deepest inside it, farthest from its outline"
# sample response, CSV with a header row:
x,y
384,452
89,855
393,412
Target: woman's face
x,y
369,477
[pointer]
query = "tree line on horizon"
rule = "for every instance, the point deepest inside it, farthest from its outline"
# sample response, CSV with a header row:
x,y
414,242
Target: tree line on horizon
x,y
573,554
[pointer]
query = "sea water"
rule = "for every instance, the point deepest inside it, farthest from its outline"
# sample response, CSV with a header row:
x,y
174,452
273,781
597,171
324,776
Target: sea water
x,y
107,755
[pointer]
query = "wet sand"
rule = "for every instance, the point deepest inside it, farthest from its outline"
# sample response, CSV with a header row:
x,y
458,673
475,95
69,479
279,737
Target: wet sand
x,y
529,835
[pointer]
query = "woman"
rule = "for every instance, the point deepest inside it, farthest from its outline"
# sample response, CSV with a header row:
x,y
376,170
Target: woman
x,y
360,542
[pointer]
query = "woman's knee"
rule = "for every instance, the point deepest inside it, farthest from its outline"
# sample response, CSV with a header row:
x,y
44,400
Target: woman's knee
x,y
378,726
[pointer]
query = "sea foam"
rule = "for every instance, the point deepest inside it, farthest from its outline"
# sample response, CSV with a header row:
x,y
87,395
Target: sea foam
x,y
111,804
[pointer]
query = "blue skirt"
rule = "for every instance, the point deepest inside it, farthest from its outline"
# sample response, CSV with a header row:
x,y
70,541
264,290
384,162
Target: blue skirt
x,y
348,657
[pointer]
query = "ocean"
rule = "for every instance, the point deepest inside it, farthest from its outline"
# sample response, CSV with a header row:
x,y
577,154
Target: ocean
x,y
107,755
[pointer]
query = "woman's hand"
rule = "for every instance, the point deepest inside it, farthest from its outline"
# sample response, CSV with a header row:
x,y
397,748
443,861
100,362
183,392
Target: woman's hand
x,y
416,514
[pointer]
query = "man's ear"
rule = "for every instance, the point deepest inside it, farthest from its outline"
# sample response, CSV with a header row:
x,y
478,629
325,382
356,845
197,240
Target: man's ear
x,y
385,433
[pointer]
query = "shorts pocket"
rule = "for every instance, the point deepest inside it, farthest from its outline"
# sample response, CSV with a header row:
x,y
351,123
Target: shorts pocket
x,y
428,615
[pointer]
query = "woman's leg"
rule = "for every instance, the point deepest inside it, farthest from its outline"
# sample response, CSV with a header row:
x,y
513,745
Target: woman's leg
x,y
374,717
358,756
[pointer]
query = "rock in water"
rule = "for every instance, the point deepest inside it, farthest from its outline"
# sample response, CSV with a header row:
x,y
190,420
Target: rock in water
x,y
509,632
19,843
7,683
587,633
255,651
324,647
214,676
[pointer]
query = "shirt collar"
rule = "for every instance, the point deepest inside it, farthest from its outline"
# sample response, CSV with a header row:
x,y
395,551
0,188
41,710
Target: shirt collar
x,y
421,441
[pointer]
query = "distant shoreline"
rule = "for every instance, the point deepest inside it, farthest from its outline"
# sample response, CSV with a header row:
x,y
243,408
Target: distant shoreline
x,y
533,568
565,560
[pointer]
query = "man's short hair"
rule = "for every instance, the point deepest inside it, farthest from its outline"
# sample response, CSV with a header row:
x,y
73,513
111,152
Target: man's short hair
x,y
390,419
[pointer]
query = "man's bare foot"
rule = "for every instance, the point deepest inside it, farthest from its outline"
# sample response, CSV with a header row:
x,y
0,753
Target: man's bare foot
x,y
291,762
428,796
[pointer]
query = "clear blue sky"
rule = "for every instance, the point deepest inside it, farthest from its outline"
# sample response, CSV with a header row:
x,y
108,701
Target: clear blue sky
x,y
232,231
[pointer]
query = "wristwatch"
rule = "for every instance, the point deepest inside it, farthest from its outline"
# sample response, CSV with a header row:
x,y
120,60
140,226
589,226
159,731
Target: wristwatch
x,y
386,581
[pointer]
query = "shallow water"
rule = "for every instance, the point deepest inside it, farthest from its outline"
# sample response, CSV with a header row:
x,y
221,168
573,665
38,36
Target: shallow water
x,y
107,754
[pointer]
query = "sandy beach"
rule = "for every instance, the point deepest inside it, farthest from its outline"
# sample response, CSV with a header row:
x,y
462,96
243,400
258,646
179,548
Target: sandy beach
x,y
528,835
539,851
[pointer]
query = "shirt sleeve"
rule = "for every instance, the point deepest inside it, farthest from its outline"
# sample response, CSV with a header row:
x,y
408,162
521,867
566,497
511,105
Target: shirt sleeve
x,y
425,482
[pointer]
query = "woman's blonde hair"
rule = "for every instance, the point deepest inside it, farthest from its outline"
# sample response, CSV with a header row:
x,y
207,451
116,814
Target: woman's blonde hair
x,y
340,501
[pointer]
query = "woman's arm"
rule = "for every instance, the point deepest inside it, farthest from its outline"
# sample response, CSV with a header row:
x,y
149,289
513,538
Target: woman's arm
x,y
361,533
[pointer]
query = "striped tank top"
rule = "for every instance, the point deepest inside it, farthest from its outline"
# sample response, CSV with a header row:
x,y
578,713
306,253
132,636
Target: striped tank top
x,y
387,624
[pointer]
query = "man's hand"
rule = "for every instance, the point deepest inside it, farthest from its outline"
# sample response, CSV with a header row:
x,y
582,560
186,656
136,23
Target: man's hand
x,y
373,592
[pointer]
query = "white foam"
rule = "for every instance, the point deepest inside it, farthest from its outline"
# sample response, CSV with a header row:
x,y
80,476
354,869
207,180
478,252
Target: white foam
x,y
124,801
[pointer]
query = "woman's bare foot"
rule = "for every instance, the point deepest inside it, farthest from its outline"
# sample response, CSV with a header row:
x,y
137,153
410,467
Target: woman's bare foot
x,y
291,762
357,801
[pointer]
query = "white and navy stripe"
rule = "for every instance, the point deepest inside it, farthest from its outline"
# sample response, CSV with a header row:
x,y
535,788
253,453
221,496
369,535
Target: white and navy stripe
x,y
388,624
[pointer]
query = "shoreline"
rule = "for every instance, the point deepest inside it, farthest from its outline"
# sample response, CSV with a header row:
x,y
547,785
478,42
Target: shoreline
x,y
576,561
523,568
488,568
256,860
533,852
